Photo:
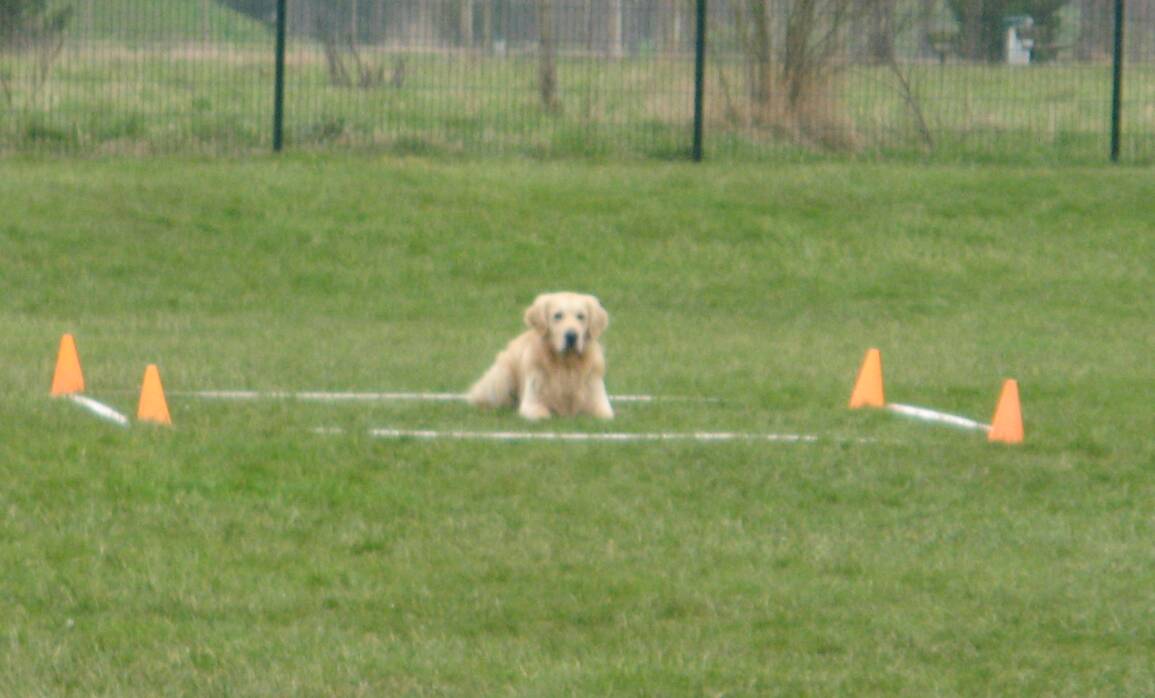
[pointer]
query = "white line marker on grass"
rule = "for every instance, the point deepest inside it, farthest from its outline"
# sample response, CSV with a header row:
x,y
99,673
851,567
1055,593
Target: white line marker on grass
x,y
615,437
319,396
929,415
326,396
99,409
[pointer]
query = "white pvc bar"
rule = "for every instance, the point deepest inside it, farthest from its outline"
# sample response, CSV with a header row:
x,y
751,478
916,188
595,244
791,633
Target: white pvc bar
x,y
616,437
100,409
928,415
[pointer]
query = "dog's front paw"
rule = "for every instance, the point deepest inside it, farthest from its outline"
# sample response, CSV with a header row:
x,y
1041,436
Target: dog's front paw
x,y
533,412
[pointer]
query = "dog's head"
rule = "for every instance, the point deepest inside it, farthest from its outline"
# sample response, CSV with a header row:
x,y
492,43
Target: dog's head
x,y
567,321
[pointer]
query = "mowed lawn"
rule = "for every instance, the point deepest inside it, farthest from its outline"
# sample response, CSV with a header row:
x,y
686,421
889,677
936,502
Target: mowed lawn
x,y
243,552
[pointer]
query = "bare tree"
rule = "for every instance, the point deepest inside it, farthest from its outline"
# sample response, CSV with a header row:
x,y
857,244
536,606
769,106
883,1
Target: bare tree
x,y
760,65
879,16
35,29
337,28
814,38
902,75
906,89
793,52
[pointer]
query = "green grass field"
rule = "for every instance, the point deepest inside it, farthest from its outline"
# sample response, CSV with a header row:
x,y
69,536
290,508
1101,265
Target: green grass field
x,y
242,553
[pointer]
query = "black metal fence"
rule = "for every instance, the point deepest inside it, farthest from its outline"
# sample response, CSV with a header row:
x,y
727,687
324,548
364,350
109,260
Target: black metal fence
x,y
1008,80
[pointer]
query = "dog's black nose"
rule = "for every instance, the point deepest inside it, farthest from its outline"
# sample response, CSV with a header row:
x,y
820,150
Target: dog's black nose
x,y
571,338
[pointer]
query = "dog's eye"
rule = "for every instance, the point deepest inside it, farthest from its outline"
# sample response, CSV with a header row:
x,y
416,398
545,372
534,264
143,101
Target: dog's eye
x,y
581,317
557,317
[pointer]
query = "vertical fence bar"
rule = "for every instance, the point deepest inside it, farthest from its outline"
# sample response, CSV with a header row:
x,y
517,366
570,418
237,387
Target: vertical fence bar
x,y
699,77
279,81
1117,84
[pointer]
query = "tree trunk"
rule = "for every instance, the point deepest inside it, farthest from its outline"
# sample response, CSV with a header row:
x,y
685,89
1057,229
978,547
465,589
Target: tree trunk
x,y
796,60
547,50
466,23
880,37
421,26
1095,40
671,25
761,57
487,24
616,49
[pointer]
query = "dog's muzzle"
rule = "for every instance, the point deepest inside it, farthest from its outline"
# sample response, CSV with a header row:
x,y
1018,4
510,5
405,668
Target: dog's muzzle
x,y
571,340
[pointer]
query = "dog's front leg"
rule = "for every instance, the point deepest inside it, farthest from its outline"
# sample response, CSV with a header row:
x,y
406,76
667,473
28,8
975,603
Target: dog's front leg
x,y
600,402
531,406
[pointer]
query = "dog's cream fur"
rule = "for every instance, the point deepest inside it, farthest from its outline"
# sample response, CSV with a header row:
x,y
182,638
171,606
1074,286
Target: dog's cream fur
x,y
556,367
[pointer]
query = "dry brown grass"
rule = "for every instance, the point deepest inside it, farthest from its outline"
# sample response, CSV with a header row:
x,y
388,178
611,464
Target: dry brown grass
x,y
816,118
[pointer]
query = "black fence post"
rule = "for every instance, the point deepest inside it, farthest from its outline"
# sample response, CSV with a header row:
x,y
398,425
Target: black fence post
x,y
279,81
699,78
1117,84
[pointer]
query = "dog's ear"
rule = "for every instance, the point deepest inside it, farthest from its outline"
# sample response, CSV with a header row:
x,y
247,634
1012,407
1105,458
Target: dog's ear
x,y
599,318
537,314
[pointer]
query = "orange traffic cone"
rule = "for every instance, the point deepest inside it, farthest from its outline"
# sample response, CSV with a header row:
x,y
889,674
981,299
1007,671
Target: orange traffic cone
x,y
153,407
868,388
1007,424
68,377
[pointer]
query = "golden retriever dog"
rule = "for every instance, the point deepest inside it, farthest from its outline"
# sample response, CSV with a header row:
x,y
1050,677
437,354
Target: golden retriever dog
x,y
556,367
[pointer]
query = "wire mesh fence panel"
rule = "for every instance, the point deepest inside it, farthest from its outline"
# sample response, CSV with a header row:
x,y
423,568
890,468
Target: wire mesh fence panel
x,y
136,76
957,79
534,76
1138,104
1008,80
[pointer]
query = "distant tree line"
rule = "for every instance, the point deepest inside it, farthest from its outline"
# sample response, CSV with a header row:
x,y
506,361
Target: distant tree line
x,y
619,27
